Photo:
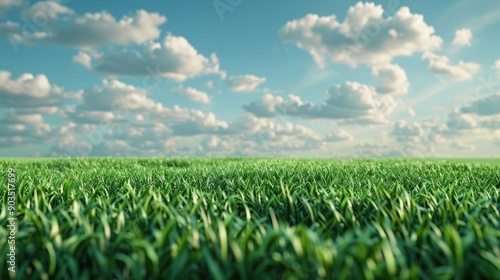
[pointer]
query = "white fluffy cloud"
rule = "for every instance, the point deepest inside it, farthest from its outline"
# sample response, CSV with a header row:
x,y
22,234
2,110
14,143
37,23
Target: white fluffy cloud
x,y
115,112
83,58
429,138
274,136
484,106
463,37
175,58
350,101
43,13
483,112
490,122
454,131
215,144
458,121
250,124
114,95
117,101
33,93
245,83
26,85
28,98
338,136
404,132
394,77
264,107
440,65
192,94
365,36
199,123
91,30
23,129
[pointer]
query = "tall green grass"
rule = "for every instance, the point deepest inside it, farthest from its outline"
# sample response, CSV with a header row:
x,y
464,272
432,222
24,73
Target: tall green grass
x,y
254,219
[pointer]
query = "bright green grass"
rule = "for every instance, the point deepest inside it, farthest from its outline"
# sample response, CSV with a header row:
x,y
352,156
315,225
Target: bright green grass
x,y
254,219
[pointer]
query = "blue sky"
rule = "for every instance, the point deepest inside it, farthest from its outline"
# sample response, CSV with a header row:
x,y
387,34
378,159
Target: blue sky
x,y
250,78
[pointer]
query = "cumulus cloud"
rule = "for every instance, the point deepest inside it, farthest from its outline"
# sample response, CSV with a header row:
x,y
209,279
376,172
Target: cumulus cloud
x,y
350,101
404,132
192,94
91,30
458,121
33,93
215,144
114,95
250,124
339,136
264,107
484,106
481,113
117,101
463,37
199,123
84,59
26,84
245,83
175,59
431,135
490,122
440,65
23,129
43,13
274,136
394,77
421,139
115,112
365,36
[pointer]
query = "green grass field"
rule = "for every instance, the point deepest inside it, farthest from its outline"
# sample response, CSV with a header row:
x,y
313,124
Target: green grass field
x,y
253,219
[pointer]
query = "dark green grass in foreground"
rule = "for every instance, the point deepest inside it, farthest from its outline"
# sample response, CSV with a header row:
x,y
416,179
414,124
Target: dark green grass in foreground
x,y
254,219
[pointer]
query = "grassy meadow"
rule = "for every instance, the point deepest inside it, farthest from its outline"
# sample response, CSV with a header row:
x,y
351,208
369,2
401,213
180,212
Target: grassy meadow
x,y
253,219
